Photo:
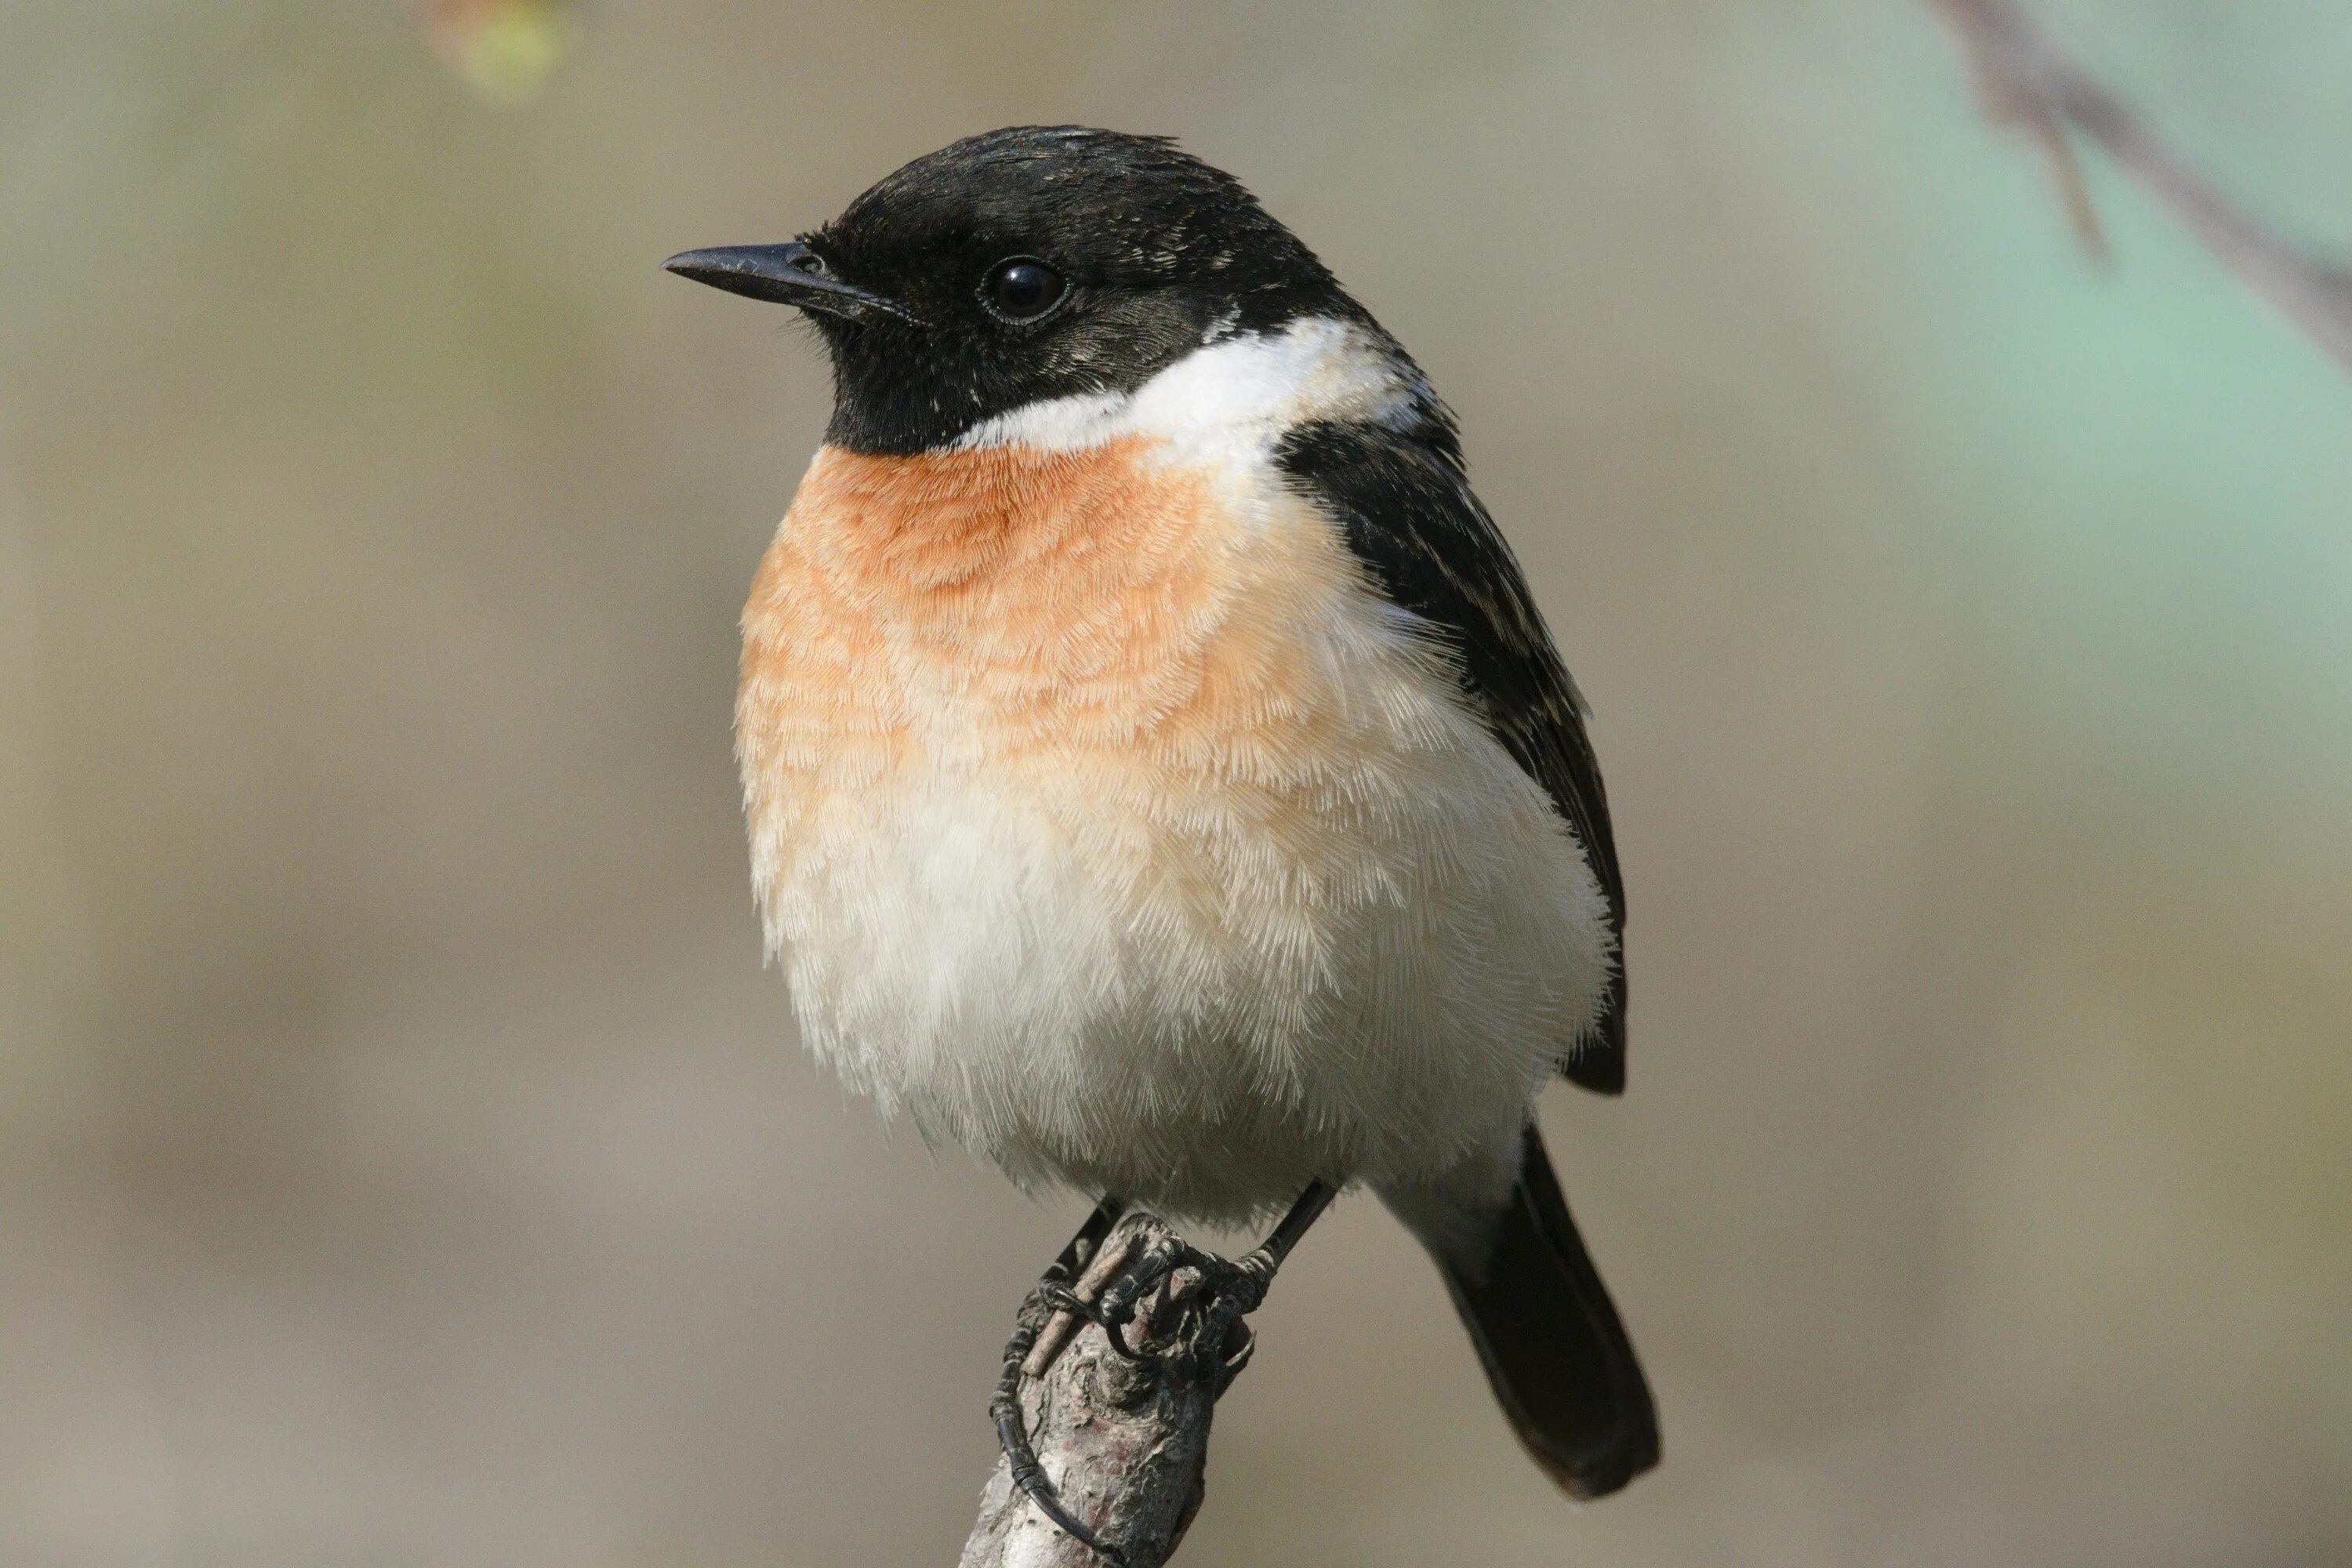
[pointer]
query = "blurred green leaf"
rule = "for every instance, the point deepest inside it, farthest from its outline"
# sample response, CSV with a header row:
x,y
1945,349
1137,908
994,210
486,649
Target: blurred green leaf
x,y
507,50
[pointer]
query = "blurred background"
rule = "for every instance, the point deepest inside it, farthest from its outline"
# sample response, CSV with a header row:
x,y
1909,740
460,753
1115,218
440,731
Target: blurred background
x,y
404,1160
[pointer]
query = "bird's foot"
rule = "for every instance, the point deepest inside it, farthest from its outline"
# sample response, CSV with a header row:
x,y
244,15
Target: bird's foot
x,y
1162,1299
1172,1311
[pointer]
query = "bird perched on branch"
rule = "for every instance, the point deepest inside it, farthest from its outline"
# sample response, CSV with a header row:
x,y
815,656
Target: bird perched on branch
x,y
1159,776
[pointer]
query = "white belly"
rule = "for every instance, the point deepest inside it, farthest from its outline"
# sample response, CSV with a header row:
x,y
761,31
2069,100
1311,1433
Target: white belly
x,y
1194,922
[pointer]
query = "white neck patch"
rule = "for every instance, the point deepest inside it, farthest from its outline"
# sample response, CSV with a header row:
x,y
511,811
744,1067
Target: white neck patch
x,y
1245,388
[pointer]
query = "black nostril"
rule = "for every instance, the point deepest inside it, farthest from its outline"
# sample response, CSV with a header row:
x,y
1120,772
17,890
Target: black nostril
x,y
811,262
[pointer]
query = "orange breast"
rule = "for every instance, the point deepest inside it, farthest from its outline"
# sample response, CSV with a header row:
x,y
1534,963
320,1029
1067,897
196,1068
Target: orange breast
x,y
1037,585
1007,600
1172,670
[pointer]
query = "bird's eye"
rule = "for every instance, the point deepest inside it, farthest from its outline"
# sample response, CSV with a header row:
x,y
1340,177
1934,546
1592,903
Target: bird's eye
x,y
1021,289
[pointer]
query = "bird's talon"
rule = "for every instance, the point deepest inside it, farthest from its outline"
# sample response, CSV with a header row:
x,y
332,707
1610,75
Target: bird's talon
x,y
1194,1330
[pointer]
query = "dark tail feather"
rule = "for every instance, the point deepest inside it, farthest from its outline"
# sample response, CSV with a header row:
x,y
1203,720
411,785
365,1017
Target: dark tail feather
x,y
1551,1341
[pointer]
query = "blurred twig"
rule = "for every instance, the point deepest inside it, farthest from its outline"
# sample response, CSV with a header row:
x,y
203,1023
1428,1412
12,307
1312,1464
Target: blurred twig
x,y
2026,79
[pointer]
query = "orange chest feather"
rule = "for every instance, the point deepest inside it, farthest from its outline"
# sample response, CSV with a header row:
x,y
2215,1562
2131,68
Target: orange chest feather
x,y
982,606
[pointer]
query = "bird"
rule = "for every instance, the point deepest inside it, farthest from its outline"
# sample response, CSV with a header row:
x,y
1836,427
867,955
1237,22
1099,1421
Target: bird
x,y
1159,776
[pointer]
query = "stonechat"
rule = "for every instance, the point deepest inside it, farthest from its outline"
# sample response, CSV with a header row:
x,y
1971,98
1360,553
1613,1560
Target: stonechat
x,y
1158,774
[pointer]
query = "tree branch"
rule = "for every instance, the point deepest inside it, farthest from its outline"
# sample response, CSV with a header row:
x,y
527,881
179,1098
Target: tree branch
x,y
2025,79
1125,1443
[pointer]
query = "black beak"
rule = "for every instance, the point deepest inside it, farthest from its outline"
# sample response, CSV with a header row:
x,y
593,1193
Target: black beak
x,y
788,275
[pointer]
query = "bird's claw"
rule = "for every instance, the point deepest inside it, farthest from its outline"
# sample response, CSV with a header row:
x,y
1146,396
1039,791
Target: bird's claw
x,y
1207,1340
1209,1336
1112,1278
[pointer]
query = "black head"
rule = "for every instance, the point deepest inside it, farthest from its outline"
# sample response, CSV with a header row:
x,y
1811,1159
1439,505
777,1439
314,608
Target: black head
x,y
1027,263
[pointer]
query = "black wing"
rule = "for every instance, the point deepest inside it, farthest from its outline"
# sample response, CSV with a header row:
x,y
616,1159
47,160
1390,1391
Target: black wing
x,y
1406,508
